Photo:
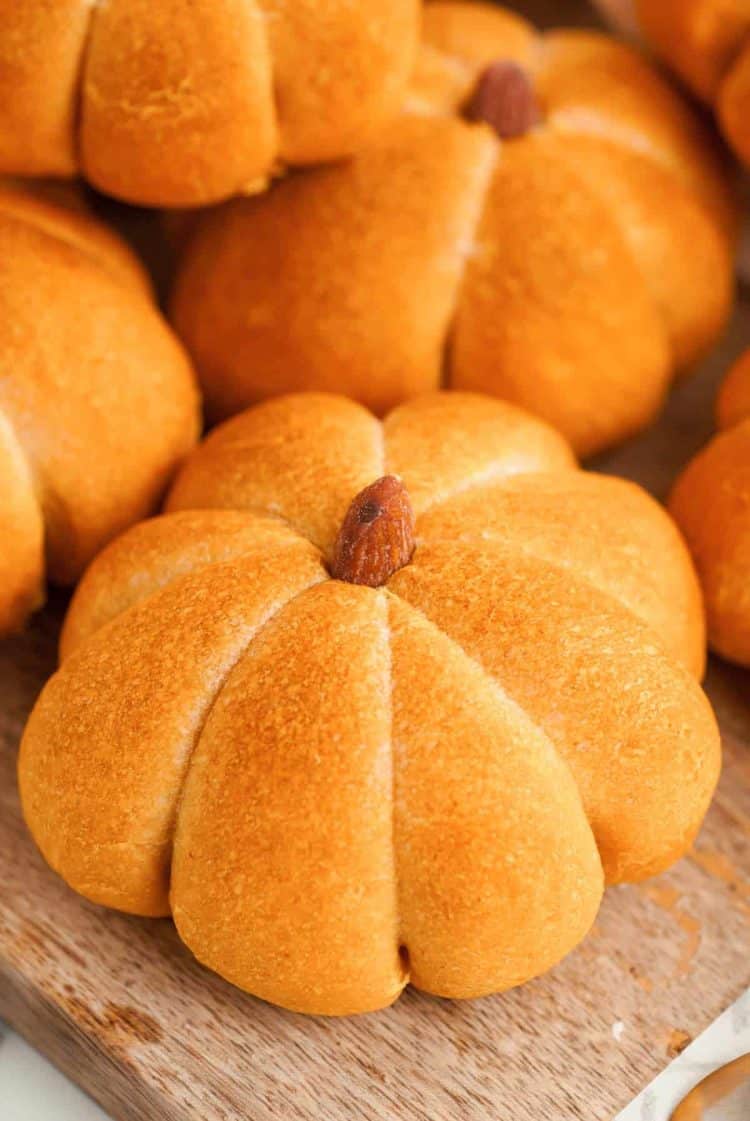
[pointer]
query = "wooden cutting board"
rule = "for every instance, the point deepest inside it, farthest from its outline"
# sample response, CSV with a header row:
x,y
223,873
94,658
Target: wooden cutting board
x,y
121,1007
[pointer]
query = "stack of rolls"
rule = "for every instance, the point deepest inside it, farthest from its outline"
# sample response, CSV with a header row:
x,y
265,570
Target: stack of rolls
x,y
391,690
518,230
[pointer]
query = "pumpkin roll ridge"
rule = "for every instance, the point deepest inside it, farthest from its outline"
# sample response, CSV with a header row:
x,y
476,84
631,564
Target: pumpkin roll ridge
x,y
498,634
606,530
205,638
289,763
158,552
441,925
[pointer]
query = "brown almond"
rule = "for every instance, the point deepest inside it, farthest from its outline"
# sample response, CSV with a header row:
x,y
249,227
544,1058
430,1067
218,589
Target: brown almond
x,y
504,98
376,537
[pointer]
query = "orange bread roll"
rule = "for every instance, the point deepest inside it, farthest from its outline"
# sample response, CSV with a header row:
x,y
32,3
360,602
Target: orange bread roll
x,y
377,702
706,42
177,104
711,502
97,400
535,252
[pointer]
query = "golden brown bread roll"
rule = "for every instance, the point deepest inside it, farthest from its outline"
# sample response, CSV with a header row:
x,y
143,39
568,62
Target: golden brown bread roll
x,y
549,269
335,787
711,502
706,42
177,104
97,400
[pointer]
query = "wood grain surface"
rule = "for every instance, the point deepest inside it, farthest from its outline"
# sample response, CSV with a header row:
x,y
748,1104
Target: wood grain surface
x,y
120,1006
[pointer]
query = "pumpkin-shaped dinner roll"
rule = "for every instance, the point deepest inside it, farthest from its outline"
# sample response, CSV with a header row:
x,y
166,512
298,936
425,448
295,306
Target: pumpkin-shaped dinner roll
x,y
711,502
706,42
97,400
520,230
377,702
181,104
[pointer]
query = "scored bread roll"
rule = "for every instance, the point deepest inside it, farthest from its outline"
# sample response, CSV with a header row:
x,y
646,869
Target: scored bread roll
x,y
175,104
711,502
422,769
97,400
547,267
707,43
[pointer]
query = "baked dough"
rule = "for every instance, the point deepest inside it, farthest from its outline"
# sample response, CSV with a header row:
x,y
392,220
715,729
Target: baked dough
x,y
335,789
549,270
97,400
170,103
706,42
711,502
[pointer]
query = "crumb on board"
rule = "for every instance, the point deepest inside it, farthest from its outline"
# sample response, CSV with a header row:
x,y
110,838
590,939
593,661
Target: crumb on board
x,y
677,1041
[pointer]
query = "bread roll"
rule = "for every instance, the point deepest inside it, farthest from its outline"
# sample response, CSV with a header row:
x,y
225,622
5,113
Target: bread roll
x,y
425,769
97,400
176,104
711,502
707,42
547,268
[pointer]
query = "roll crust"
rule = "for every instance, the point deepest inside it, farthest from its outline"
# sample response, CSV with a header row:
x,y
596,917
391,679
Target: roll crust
x,y
335,789
175,104
548,270
711,502
707,43
97,400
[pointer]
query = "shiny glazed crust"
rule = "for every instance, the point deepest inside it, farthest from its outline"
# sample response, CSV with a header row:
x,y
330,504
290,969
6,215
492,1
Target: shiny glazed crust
x,y
176,104
711,502
548,270
336,789
97,400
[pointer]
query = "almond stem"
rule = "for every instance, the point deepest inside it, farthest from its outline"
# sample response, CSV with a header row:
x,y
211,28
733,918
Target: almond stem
x,y
376,537
504,98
